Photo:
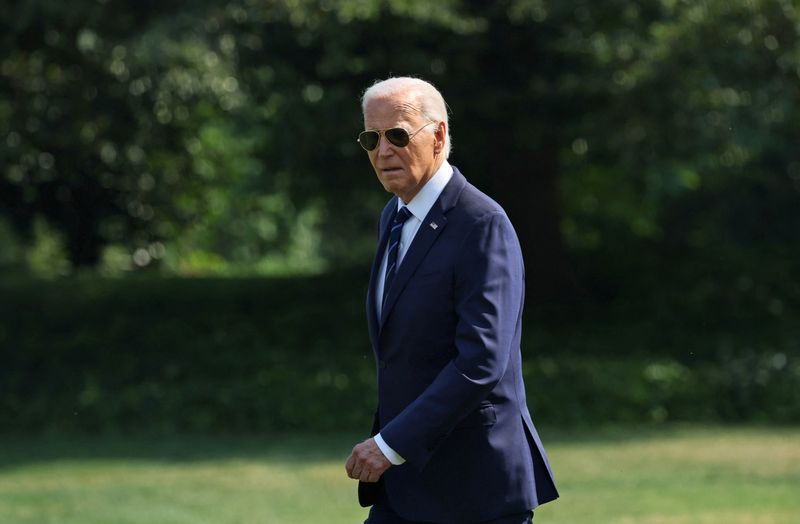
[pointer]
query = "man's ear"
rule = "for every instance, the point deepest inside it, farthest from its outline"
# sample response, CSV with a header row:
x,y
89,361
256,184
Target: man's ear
x,y
441,131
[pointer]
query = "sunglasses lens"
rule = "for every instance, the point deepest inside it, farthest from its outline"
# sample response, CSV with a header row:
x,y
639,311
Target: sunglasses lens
x,y
397,136
368,139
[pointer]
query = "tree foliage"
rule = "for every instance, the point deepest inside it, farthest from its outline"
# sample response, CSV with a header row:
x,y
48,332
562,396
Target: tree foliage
x,y
212,136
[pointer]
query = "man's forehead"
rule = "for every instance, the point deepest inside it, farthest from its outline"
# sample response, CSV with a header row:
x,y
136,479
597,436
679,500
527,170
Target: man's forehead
x,y
397,105
407,107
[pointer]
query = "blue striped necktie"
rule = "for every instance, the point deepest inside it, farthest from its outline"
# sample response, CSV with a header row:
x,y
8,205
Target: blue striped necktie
x,y
394,245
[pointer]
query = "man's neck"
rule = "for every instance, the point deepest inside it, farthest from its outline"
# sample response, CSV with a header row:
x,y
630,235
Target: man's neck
x,y
406,199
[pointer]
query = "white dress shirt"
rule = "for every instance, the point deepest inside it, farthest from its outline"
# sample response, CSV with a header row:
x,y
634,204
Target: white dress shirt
x,y
419,207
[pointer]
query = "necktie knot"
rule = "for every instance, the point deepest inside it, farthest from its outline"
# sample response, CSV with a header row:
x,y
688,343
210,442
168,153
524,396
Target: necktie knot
x,y
402,215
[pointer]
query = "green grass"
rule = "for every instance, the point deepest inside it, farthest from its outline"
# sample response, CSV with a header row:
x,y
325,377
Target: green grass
x,y
668,475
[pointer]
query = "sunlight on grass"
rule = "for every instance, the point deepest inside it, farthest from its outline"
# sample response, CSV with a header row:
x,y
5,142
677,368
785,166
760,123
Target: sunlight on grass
x,y
669,476
682,476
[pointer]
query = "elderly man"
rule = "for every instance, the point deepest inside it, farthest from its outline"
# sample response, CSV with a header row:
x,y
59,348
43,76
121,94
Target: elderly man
x,y
453,441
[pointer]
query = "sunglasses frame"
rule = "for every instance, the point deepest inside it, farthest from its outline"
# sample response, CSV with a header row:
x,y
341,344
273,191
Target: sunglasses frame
x,y
382,133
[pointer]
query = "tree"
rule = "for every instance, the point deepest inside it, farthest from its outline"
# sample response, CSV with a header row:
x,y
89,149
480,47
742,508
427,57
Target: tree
x,y
226,133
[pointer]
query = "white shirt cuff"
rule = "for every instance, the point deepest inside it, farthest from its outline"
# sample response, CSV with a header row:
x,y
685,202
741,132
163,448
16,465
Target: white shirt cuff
x,y
388,452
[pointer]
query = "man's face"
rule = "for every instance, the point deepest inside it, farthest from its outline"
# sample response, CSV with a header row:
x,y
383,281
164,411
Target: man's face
x,y
403,170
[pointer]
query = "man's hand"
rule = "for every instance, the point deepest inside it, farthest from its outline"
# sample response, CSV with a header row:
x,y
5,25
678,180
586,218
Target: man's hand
x,y
367,462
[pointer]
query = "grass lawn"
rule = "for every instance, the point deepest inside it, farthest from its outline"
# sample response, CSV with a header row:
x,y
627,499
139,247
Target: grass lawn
x,y
669,475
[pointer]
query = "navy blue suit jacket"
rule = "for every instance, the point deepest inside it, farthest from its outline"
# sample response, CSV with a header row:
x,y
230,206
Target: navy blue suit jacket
x,y
451,399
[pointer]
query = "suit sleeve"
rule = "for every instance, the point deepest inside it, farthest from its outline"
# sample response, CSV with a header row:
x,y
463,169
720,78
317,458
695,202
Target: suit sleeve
x,y
489,288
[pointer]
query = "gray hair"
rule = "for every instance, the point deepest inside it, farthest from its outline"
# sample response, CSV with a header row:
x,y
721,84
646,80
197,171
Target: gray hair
x,y
422,94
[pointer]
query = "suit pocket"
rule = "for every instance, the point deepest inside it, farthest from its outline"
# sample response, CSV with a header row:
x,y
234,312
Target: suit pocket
x,y
484,415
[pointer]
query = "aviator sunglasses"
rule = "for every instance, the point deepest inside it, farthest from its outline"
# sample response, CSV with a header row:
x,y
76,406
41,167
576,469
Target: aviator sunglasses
x,y
398,136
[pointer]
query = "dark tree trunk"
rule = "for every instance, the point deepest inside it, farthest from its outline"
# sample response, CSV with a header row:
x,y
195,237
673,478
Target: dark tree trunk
x,y
508,139
526,185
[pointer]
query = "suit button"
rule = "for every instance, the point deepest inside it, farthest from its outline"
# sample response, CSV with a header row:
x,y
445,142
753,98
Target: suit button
x,y
382,364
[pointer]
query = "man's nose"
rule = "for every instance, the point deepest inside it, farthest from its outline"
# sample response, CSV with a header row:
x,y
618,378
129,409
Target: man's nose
x,y
384,147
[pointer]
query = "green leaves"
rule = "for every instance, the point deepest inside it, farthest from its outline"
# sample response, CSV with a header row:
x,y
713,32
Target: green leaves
x,y
127,125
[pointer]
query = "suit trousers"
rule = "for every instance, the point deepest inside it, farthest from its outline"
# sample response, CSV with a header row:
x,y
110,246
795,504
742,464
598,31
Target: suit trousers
x,y
382,513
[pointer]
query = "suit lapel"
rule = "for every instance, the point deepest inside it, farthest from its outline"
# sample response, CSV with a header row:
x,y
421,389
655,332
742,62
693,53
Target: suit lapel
x,y
428,232
372,313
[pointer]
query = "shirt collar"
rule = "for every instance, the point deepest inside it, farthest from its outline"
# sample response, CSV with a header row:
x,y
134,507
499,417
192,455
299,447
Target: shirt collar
x,y
424,200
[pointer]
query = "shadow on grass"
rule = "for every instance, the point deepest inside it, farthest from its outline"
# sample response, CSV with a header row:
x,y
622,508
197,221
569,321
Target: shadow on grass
x,y
276,448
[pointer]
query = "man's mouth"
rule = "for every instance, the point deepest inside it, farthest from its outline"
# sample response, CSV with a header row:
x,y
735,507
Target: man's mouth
x,y
391,170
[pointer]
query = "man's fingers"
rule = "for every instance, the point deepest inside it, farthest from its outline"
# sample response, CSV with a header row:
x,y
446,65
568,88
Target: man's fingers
x,y
372,471
372,475
366,462
357,470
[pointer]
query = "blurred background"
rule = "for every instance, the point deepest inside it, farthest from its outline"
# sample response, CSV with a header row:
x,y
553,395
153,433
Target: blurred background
x,y
187,224
187,221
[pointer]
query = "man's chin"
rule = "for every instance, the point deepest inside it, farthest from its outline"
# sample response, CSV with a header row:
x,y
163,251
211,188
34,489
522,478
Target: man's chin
x,y
392,188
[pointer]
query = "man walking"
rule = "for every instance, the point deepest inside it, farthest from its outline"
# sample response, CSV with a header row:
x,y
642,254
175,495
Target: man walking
x,y
453,440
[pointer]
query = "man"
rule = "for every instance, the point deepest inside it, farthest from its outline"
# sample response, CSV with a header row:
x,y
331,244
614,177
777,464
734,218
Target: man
x,y
453,441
